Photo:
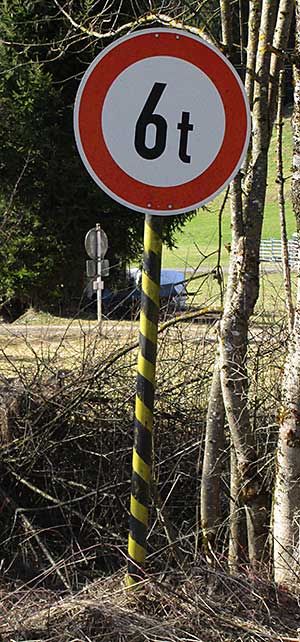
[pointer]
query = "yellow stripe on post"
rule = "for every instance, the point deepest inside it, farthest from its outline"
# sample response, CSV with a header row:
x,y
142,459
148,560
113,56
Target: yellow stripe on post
x,y
147,328
139,511
136,552
130,581
152,241
146,368
140,467
143,414
150,288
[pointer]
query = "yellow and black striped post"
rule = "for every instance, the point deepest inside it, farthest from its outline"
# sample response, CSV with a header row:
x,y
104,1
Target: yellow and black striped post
x,y
143,425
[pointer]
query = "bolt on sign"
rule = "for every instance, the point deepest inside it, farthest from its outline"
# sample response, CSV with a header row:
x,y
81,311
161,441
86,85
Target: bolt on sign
x,y
161,121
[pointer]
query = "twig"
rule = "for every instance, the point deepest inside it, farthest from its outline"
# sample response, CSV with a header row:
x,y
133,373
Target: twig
x,y
130,26
28,527
281,203
294,59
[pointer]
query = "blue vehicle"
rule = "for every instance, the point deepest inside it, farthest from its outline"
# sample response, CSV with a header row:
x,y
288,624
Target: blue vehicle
x,y
172,287
125,301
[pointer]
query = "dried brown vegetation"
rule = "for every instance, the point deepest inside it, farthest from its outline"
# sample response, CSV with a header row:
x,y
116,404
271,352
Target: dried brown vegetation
x,y
66,467
200,606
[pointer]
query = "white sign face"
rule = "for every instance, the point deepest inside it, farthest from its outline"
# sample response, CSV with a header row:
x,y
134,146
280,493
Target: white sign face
x,y
161,121
91,243
189,149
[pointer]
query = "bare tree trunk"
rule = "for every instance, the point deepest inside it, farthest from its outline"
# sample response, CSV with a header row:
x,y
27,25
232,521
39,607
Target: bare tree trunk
x,y
226,23
237,541
281,203
236,517
281,37
253,33
287,483
214,436
241,297
212,465
243,280
237,552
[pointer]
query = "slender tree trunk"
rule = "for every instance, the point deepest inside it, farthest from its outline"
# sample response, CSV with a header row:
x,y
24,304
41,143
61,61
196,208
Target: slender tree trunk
x,y
210,483
237,552
281,203
287,483
236,517
241,297
212,465
226,23
253,33
214,437
280,41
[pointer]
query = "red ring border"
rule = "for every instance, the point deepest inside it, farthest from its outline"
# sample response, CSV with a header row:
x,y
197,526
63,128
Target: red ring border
x,y
92,147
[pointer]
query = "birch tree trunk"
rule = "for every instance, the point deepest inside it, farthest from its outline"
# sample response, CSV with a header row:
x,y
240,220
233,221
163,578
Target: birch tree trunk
x,y
226,24
237,550
212,466
241,296
281,203
287,483
280,41
253,33
243,279
214,435
287,486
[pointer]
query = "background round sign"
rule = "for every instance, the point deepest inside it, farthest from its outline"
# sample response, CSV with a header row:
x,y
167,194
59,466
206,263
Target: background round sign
x,y
161,121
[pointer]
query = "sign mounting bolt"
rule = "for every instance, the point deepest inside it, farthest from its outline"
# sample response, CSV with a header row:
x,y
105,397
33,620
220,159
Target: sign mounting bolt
x,y
170,206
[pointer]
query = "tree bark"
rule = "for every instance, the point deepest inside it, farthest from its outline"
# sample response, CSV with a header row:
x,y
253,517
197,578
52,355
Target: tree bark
x,y
212,465
287,487
253,33
226,23
214,437
237,553
280,41
242,293
281,203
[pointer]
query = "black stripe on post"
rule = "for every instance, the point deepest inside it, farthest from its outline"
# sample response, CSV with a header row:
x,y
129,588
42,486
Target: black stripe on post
x,y
142,451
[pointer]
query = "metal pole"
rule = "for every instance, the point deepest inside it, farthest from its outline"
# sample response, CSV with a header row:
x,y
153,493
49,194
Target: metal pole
x,y
143,425
99,280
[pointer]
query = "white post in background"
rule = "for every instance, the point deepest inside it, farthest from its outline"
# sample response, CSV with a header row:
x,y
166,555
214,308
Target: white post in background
x,y
99,280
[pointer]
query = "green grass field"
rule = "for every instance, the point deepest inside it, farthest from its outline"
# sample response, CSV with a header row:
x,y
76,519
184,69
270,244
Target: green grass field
x,y
198,243
204,291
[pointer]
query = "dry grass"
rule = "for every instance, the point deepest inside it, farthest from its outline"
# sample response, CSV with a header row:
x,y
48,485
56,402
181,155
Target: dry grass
x,y
26,347
203,606
65,485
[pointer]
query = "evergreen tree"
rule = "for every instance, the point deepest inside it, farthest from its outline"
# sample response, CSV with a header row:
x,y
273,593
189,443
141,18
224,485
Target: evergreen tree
x,y
47,200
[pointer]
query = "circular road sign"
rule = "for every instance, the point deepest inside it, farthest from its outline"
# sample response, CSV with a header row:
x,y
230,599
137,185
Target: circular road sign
x,y
161,121
90,243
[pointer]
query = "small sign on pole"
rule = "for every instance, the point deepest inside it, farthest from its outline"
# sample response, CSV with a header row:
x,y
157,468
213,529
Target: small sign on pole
x,y
99,277
90,243
96,245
